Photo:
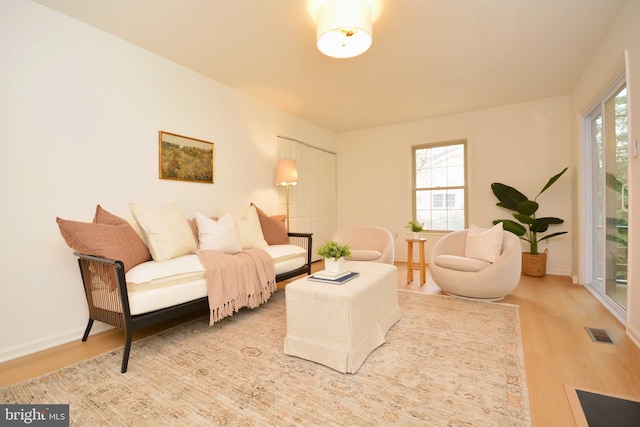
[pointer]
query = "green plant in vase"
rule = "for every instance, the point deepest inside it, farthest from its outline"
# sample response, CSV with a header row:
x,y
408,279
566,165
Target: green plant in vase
x,y
334,250
415,226
529,226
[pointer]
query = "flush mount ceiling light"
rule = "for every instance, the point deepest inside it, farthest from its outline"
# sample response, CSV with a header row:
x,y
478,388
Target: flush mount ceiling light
x,y
344,27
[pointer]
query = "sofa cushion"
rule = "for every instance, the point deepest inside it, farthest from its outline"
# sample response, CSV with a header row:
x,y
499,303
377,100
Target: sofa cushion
x,y
282,252
218,235
108,236
156,274
460,263
484,244
167,231
273,228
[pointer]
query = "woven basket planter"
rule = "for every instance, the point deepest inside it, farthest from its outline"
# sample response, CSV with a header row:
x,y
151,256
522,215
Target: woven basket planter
x,y
534,265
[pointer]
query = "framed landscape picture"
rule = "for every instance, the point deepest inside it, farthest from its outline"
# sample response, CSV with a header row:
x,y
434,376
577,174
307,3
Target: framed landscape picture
x,y
185,159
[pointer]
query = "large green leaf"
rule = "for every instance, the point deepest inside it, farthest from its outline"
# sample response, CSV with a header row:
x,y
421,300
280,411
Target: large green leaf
x,y
508,196
528,207
525,219
550,220
551,181
548,236
539,227
511,226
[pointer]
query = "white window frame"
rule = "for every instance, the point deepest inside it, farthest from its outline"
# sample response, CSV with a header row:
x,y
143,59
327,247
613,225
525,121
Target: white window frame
x,y
445,200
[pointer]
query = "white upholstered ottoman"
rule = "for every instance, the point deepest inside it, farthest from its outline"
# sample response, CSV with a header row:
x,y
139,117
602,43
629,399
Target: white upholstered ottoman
x,y
339,325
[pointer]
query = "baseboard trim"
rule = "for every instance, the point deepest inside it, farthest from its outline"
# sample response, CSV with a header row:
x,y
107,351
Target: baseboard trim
x,y
35,346
634,335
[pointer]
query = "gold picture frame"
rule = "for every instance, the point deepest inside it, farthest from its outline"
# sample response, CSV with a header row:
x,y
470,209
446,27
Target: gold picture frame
x,y
185,159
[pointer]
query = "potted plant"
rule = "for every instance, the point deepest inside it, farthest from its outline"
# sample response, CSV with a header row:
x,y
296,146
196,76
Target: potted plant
x,y
528,227
416,228
334,254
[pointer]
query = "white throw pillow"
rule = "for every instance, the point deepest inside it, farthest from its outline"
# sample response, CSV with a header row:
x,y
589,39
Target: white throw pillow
x,y
484,244
249,229
220,235
166,231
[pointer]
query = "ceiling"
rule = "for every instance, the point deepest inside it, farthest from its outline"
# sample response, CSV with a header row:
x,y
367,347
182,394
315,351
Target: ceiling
x,y
428,58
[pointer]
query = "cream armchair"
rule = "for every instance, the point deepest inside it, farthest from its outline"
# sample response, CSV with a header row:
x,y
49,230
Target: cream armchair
x,y
458,275
368,243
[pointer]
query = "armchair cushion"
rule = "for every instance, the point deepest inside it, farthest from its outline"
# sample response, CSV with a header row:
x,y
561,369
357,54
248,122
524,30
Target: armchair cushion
x,y
460,263
364,255
484,244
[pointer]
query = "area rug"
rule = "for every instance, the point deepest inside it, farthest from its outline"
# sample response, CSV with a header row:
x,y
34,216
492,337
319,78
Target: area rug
x,y
593,408
447,362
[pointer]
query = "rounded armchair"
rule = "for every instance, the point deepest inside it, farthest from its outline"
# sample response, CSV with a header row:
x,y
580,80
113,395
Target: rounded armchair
x,y
367,243
458,275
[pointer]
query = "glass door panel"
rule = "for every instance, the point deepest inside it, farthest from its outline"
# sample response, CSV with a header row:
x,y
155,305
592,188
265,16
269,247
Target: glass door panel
x,y
607,201
616,197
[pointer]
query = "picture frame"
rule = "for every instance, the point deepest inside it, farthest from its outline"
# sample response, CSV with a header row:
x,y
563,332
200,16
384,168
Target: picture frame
x,y
185,159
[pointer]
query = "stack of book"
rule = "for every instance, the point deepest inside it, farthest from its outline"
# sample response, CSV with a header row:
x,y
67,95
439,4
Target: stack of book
x,y
333,278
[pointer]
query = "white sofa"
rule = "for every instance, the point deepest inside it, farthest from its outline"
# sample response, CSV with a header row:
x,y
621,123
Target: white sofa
x,y
128,294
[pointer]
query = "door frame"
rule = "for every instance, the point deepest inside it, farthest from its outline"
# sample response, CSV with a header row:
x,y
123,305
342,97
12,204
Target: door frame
x,y
598,290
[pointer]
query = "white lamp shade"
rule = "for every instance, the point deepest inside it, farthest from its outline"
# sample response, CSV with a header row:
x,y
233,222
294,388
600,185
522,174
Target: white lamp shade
x,y
286,172
344,27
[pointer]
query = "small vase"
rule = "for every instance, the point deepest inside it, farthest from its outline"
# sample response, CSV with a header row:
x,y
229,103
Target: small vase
x,y
416,235
334,266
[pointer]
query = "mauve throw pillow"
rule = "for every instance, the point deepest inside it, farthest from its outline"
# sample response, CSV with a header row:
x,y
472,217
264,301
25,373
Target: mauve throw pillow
x,y
109,236
273,228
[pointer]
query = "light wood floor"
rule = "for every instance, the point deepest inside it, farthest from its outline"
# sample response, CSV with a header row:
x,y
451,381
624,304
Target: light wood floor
x,y
558,351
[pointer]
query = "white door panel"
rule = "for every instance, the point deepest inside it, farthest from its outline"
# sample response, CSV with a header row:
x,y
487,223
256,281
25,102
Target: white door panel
x,y
312,203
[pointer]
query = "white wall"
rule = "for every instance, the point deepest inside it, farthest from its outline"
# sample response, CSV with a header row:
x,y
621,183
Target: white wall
x,y
80,112
605,65
521,145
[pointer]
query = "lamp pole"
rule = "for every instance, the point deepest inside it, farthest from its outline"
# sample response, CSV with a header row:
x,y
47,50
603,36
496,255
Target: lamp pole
x,y
287,199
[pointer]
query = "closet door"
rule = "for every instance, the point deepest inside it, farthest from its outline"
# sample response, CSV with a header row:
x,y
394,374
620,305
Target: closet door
x,y
312,203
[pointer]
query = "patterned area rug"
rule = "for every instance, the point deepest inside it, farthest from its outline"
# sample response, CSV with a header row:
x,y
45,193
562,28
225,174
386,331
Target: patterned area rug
x,y
447,362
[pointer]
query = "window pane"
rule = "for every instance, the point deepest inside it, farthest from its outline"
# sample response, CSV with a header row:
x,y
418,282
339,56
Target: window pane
x,y
441,208
455,176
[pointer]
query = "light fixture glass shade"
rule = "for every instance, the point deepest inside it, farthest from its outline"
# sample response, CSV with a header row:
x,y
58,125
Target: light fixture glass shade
x,y
286,172
344,27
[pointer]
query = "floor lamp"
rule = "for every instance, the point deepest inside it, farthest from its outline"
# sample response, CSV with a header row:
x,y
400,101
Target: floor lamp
x,y
287,174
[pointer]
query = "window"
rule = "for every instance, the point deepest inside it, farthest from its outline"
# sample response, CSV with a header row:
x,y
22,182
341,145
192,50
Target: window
x,y
439,185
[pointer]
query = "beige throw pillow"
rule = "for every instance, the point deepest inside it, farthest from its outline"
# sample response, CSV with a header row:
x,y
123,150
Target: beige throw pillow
x,y
484,244
166,231
248,228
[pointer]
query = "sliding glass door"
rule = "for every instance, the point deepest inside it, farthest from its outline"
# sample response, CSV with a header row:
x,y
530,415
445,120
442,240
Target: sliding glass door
x,y
607,201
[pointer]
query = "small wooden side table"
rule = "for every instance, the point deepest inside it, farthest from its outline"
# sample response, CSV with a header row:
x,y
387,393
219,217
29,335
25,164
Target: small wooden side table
x,y
421,266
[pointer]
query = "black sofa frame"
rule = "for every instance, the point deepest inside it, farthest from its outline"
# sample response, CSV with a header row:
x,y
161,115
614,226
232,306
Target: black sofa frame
x,y
100,272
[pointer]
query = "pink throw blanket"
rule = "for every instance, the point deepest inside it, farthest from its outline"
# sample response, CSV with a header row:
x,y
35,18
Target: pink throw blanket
x,y
245,279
